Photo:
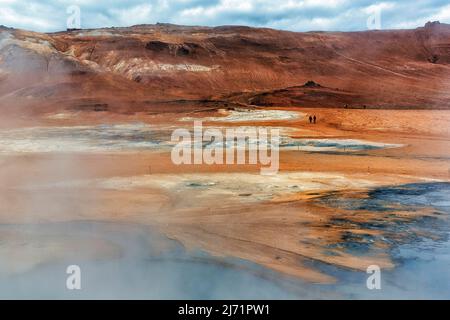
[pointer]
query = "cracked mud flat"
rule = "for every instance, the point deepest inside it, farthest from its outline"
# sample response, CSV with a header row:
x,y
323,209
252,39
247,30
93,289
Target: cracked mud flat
x,y
69,194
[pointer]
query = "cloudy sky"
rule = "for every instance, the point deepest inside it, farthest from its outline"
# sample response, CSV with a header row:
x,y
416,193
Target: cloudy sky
x,y
295,15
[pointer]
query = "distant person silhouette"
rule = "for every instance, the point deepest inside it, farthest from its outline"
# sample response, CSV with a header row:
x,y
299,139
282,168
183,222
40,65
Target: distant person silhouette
x,y
310,119
314,118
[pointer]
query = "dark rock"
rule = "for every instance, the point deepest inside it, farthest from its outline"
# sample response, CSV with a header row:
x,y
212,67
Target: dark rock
x,y
311,84
433,59
157,46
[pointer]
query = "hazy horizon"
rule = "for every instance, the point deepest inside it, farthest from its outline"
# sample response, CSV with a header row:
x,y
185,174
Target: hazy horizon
x,y
218,26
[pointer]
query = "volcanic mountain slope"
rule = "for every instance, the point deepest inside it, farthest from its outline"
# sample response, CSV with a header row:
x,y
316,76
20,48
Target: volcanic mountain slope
x,y
166,67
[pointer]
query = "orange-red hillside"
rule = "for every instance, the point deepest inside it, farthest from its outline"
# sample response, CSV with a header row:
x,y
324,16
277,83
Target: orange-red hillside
x,y
167,67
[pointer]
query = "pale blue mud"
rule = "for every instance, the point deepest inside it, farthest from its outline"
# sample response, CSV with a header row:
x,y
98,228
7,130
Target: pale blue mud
x,y
149,265
334,145
143,137
420,248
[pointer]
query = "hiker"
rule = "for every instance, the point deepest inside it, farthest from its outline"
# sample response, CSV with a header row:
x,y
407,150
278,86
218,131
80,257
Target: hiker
x,y
314,118
310,119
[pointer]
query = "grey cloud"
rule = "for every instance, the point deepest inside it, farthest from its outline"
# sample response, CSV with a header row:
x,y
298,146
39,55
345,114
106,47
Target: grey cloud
x,y
296,15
